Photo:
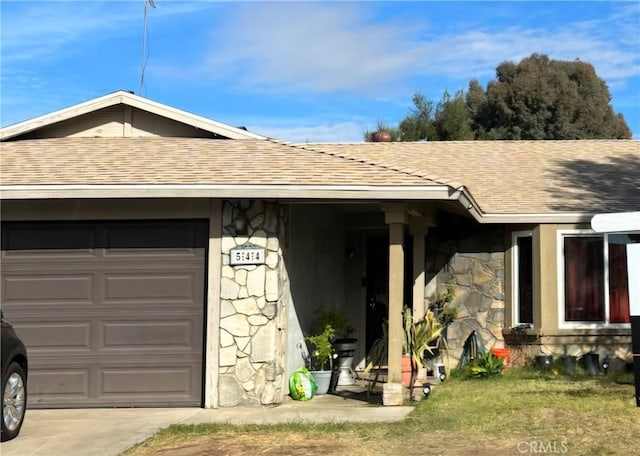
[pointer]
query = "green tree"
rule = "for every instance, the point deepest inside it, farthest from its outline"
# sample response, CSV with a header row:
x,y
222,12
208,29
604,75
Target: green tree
x,y
476,101
541,98
418,125
537,98
452,121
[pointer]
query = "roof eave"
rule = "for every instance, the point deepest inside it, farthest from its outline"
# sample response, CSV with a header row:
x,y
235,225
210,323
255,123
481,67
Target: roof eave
x,y
289,192
338,192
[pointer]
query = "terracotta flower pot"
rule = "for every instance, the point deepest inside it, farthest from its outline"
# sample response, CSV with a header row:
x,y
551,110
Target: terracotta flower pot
x,y
406,370
381,136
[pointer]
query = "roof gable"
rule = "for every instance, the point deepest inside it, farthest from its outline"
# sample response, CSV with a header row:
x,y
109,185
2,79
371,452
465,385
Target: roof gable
x,y
122,114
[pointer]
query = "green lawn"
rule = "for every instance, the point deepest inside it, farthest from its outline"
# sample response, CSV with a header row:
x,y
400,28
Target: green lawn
x,y
523,412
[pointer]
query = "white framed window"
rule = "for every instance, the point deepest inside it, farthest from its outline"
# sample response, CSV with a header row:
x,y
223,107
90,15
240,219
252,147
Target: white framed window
x,y
522,293
593,287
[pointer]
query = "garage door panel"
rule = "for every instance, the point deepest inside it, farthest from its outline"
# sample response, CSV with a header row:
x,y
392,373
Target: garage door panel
x,y
159,236
37,255
150,254
148,380
104,326
39,287
57,336
150,286
151,334
25,239
57,383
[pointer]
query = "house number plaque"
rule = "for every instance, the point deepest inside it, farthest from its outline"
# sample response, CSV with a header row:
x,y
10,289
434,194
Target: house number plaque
x,y
247,253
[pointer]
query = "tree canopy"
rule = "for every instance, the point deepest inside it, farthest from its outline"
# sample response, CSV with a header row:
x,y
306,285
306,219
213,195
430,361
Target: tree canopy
x,y
537,98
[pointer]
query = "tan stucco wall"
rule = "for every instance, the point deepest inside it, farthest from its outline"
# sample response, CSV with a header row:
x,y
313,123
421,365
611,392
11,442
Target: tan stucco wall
x,y
321,274
118,121
612,342
547,271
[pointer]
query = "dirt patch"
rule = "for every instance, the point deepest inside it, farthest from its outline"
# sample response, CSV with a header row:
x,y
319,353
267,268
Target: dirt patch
x,y
330,445
255,444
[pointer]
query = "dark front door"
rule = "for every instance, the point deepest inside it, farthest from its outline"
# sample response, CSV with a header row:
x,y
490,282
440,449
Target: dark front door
x,y
377,282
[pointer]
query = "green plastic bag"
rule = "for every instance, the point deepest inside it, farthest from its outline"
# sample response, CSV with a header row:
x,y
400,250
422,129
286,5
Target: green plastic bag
x,y
302,385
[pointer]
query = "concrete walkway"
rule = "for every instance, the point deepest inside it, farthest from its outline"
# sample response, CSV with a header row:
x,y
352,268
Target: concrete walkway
x,y
108,432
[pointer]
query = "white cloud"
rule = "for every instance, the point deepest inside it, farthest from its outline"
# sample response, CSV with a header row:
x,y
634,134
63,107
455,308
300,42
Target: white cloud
x,y
310,46
313,47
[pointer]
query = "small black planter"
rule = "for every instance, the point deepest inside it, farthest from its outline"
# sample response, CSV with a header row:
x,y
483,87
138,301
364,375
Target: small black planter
x,y
544,362
591,363
569,364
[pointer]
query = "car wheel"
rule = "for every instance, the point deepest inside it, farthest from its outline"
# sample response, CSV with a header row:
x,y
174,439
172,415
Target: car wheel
x,y
14,400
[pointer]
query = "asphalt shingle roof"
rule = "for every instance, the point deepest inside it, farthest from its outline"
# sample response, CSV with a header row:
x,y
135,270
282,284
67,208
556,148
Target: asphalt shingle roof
x,y
502,176
519,176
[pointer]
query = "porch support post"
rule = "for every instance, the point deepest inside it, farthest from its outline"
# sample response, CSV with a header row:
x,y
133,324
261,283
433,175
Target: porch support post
x,y
396,219
419,227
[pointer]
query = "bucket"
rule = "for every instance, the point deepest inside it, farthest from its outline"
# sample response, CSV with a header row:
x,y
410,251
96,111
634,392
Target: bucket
x,y
502,353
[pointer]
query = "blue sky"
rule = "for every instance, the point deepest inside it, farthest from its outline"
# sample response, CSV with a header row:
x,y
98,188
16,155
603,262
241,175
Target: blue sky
x,y
300,71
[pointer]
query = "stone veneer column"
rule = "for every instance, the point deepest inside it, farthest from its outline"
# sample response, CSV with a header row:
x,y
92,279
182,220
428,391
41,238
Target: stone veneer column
x,y
253,303
396,218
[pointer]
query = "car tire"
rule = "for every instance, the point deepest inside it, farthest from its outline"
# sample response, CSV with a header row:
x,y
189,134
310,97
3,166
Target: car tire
x,y
14,392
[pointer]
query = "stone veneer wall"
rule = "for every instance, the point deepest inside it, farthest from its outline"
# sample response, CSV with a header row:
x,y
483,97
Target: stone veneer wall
x,y
469,257
254,301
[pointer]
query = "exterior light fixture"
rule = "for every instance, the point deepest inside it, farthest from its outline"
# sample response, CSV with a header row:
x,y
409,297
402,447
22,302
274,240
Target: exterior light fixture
x,y
240,223
605,366
426,390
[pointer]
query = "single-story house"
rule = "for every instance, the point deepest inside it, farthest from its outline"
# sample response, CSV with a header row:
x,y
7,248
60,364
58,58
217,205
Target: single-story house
x,y
152,257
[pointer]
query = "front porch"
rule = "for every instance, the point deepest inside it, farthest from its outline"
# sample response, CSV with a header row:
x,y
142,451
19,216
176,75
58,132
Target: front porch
x,y
370,260
367,260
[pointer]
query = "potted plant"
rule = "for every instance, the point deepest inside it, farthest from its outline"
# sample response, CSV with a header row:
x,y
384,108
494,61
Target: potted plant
x,y
320,357
343,345
418,337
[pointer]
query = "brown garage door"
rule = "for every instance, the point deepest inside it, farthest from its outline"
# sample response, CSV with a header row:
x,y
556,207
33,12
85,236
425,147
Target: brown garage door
x,y
111,312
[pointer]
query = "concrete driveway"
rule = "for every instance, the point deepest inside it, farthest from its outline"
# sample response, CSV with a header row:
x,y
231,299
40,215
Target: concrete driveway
x,y
108,432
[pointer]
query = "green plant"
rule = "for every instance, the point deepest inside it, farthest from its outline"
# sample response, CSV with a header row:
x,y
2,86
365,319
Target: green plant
x,y
418,336
486,366
337,320
444,312
321,352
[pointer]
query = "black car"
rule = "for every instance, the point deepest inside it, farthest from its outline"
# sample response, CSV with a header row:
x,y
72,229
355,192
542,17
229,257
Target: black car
x,y
14,381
